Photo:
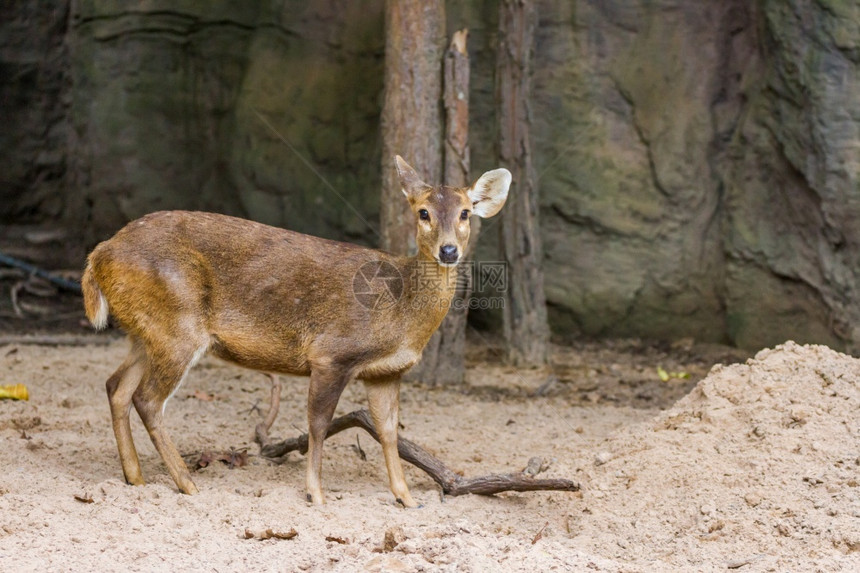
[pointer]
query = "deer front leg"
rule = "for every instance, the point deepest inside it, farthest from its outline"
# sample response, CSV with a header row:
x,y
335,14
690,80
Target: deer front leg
x,y
325,389
383,397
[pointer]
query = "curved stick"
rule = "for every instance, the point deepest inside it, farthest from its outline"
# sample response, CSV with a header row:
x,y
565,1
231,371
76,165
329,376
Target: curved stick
x,y
261,431
451,483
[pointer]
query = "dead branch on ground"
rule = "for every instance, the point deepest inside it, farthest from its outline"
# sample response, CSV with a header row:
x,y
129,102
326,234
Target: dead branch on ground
x,y
451,482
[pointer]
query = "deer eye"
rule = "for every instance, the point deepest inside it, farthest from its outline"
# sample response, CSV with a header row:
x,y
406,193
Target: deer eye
x,y
464,215
423,214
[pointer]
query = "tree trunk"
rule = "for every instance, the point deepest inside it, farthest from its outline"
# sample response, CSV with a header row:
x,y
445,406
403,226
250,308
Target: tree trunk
x,y
525,320
411,114
443,360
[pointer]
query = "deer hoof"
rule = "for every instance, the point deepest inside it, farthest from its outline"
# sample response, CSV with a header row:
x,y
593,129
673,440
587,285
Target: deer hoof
x,y
412,505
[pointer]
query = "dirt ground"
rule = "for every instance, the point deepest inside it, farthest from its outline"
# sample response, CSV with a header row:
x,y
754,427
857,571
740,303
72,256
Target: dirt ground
x,y
753,467
740,466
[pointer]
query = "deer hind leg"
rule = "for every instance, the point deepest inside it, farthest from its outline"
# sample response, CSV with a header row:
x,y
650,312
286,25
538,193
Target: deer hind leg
x,y
324,392
160,381
383,398
120,388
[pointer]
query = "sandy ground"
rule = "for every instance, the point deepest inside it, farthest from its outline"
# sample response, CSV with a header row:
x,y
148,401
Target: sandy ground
x,y
754,468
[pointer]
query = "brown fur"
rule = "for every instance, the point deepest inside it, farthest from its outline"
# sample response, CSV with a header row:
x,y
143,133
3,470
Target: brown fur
x,y
184,283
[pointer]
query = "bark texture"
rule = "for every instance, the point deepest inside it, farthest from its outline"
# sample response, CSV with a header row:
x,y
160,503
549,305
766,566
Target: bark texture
x,y
411,110
443,360
525,318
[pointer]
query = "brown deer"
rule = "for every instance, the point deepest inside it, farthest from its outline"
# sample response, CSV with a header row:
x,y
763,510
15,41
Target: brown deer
x,y
182,284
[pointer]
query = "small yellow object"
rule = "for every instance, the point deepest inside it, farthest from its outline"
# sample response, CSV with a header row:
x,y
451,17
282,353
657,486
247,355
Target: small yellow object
x,y
666,376
14,392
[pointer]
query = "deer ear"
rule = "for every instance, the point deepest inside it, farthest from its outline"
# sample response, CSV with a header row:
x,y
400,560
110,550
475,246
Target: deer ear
x,y
409,180
489,192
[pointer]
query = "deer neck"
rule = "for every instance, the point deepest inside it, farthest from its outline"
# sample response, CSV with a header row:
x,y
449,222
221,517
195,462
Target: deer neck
x,y
429,289
428,278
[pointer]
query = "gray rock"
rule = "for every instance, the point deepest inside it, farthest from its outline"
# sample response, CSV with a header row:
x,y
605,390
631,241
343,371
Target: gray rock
x,y
698,160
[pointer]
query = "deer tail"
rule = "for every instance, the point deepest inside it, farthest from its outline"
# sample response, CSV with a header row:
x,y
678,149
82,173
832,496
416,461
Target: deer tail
x,y
95,303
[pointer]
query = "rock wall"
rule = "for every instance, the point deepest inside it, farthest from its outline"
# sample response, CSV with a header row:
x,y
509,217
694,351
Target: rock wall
x,y
791,173
627,134
261,109
34,82
698,159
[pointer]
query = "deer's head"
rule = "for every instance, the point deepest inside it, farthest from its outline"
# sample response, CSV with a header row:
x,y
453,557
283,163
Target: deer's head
x,y
443,212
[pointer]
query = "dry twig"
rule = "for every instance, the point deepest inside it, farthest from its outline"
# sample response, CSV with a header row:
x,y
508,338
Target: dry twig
x,y
261,431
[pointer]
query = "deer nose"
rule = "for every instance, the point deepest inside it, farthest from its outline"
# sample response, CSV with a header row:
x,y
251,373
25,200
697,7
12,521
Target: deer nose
x,y
448,254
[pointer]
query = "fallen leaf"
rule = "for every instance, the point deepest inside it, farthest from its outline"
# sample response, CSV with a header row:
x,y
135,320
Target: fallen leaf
x,y
271,534
539,533
666,376
206,458
84,498
233,459
14,392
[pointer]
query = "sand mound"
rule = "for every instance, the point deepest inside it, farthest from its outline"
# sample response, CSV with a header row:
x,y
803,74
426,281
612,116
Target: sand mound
x,y
759,464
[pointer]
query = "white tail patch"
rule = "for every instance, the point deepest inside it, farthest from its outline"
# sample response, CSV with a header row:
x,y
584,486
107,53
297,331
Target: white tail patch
x,y
101,318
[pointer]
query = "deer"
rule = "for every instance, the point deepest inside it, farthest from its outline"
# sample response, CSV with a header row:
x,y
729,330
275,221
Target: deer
x,y
183,284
